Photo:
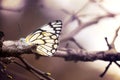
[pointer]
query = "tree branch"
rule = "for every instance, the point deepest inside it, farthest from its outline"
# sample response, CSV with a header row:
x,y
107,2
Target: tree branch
x,y
83,55
40,74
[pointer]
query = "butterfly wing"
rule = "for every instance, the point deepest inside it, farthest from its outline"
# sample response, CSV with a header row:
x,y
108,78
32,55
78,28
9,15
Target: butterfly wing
x,y
46,38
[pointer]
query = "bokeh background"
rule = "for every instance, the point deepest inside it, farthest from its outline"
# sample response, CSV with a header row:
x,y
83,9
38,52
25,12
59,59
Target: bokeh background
x,y
18,18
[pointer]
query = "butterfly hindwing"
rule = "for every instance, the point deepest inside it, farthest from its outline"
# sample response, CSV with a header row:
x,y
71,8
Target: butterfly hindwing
x,y
46,38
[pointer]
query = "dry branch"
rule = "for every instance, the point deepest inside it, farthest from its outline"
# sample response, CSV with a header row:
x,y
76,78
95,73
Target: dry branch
x,y
88,56
67,53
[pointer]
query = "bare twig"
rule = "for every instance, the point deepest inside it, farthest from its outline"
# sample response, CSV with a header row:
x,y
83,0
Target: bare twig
x,y
73,40
109,46
117,64
106,69
84,25
29,67
29,70
116,34
75,16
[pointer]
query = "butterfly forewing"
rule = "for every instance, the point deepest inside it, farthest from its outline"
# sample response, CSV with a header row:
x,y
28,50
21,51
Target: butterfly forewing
x,y
46,38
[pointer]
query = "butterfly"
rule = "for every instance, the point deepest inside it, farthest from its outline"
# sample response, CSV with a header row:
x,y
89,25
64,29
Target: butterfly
x,y
46,38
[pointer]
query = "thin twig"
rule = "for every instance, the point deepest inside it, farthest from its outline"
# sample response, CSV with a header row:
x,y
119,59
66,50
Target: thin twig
x,y
106,69
84,25
117,64
109,46
28,70
21,59
29,66
72,39
116,34
83,7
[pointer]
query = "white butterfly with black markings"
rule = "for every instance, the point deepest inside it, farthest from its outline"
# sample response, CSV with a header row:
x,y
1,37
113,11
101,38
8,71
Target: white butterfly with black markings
x,y
46,38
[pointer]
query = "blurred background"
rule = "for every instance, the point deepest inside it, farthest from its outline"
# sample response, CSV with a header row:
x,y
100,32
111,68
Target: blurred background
x,y
88,21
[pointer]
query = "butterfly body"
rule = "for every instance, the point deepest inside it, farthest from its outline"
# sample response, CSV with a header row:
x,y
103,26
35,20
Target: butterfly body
x,y
46,38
